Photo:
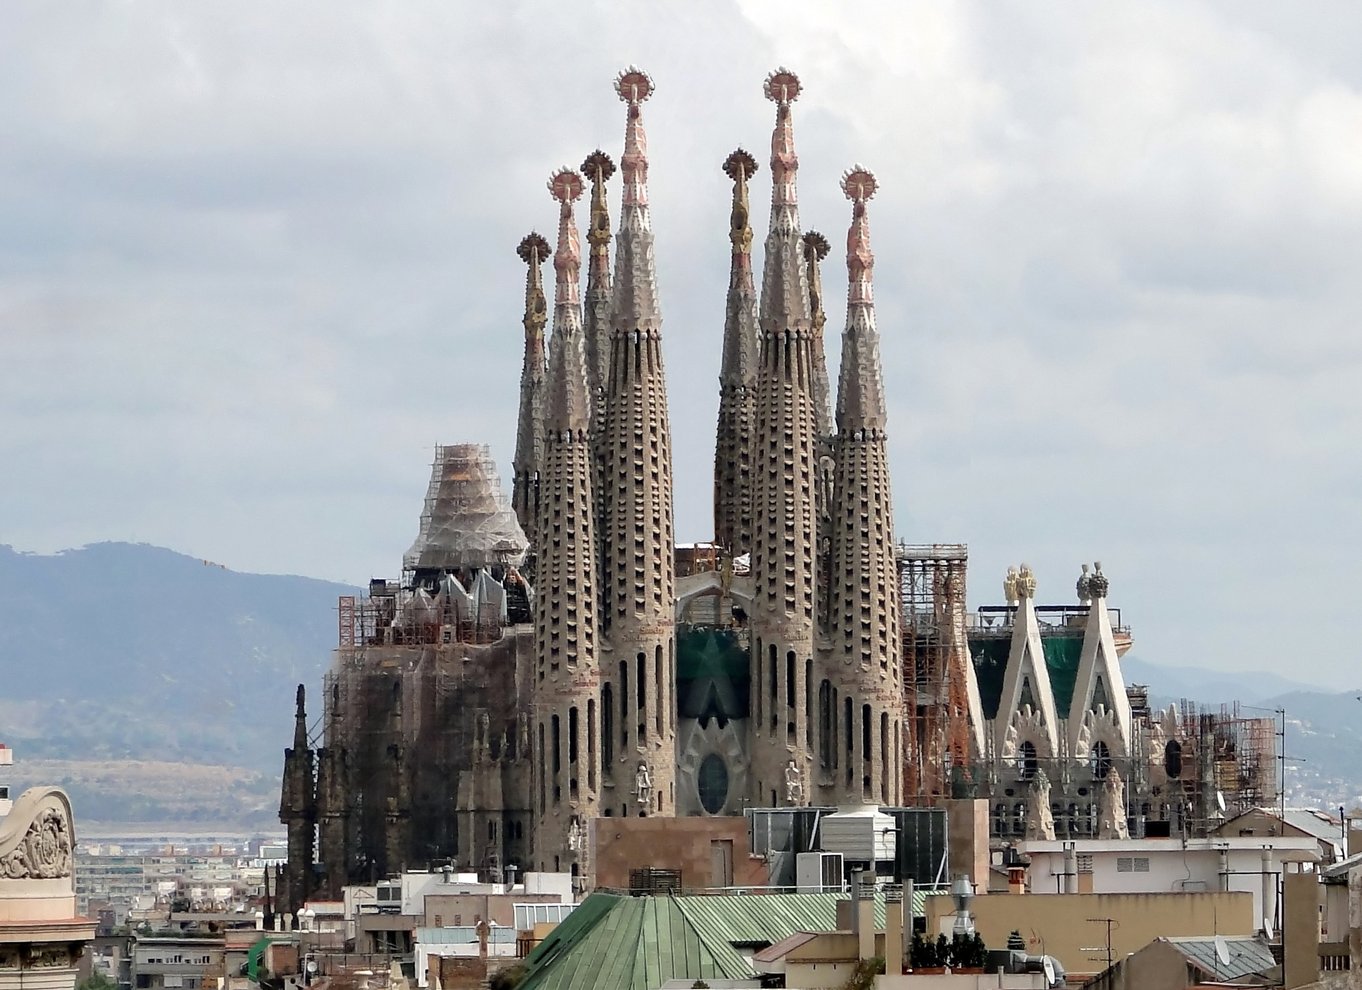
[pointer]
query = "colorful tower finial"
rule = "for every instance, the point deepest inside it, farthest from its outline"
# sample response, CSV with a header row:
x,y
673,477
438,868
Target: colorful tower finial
x,y
634,86
859,185
597,168
782,88
529,441
816,248
737,413
568,405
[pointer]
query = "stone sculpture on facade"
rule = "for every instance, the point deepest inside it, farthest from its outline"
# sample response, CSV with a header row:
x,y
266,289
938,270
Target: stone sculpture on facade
x,y
1040,820
1084,594
794,785
643,785
1111,808
1010,586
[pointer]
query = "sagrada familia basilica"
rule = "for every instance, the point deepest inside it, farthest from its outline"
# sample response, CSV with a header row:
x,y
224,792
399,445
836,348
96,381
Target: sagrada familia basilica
x,y
559,658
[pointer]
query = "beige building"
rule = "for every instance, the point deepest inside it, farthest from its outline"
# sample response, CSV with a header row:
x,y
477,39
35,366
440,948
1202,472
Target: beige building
x,y
41,936
1075,928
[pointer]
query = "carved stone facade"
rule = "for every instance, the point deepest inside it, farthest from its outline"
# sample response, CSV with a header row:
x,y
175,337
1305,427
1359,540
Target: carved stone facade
x,y
41,936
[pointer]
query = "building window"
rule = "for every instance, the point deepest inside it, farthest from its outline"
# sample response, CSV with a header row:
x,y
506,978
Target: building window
x,y
1026,760
712,781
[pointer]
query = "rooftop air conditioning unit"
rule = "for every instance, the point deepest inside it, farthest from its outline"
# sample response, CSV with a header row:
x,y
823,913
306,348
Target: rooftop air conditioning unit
x,y
819,872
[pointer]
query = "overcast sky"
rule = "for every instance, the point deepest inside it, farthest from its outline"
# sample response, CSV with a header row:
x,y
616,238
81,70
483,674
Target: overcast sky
x,y
257,259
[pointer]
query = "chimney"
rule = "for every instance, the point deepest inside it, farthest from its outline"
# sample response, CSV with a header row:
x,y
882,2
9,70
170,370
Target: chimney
x,y
1016,879
865,917
893,930
1070,868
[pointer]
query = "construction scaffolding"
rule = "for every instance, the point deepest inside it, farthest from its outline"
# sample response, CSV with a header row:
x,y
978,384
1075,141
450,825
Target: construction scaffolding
x,y
1232,764
935,651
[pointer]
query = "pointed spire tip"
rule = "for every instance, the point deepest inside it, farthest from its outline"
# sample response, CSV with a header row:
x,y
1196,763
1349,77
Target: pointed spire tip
x,y
633,85
565,185
782,86
740,160
598,166
817,244
533,249
859,183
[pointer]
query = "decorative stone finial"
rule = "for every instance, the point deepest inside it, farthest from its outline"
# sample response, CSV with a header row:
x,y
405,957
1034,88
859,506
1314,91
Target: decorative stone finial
x,y
1084,592
533,249
782,86
740,166
598,166
565,185
859,184
1026,582
816,244
1010,594
1098,585
633,85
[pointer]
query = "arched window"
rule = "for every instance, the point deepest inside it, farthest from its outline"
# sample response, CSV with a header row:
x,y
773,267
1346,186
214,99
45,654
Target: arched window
x,y
1100,760
825,724
1027,763
1172,759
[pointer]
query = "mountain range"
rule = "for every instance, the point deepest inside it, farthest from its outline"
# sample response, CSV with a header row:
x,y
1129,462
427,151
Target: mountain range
x,y
158,687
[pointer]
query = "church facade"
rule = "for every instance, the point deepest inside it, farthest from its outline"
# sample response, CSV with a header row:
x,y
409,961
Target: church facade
x,y
557,658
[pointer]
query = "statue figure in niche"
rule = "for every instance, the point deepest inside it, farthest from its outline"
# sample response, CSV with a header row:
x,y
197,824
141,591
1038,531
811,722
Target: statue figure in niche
x,y
794,785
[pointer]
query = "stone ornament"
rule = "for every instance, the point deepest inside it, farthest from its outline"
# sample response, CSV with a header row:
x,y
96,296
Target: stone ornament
x,y
643,785
1026,582
36,839
1111,808
1010,586
794,784
1040,820
1098,584
1083,589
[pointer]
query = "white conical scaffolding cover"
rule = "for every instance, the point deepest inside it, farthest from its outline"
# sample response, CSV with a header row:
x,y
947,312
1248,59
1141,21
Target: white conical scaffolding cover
x,y
467,520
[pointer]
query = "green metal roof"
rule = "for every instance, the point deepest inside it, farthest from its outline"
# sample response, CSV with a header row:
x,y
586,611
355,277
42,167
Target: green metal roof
x,y
635,943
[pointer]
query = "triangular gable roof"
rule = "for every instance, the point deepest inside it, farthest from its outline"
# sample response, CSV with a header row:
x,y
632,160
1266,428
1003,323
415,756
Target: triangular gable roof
x,y
1026,661
1099,659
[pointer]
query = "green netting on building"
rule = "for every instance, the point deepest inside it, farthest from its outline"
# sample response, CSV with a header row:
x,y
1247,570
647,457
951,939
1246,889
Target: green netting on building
x,y
1062,653
711,673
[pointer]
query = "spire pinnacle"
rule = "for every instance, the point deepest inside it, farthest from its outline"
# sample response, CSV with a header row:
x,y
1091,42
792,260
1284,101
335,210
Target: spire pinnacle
x,y
533,250
300,720
567,406
565,186
860,392
859,184
598,167
782,88
740,167
816,248
634,86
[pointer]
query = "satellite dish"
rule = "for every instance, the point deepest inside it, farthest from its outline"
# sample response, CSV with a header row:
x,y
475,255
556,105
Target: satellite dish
x,y
1047,965
1222,951
1220,800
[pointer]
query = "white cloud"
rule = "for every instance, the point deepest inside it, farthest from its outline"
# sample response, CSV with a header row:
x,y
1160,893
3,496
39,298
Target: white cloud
x,y
256,261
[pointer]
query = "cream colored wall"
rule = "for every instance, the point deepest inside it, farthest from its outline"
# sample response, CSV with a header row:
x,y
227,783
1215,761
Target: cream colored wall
x,y
1059,925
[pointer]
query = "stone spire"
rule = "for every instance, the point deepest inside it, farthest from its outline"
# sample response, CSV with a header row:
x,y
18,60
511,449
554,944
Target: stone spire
x,y
816,248
597,168
783,481
638,600
864,586
567,723
733,452
298,810
529,439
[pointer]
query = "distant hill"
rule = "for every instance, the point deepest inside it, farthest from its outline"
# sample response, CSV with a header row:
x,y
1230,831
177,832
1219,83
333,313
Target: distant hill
x,y
1207,686
119,651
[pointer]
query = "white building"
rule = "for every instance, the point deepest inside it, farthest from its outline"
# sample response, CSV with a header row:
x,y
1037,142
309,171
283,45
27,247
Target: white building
x,y
1147,866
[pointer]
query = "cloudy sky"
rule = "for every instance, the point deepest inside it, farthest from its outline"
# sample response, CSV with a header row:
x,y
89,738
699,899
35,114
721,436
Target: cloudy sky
x,y
257,259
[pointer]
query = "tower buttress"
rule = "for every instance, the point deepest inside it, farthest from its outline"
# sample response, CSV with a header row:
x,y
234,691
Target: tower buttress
x,y
638,600
566,791
529,438
597,168
737,376
298,810
864,609
783,481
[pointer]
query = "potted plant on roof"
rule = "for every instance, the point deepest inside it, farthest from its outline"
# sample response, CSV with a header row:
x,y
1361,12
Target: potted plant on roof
x,y
969,953
925,957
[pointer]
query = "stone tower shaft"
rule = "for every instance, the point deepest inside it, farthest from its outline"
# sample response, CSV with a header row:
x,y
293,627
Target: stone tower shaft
x,y
597,168
529,438
638,598
864,608
737,375
566,791
783,481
